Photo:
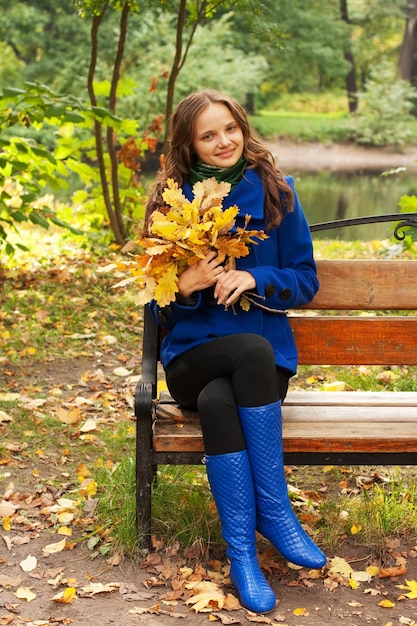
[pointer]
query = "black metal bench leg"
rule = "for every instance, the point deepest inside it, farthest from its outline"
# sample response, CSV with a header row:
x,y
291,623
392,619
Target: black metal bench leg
x,y
144,464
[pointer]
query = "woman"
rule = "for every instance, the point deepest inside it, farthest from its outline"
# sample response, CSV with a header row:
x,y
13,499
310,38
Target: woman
x,y
231,364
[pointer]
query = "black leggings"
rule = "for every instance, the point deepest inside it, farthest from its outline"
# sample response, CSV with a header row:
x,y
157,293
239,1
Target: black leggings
x,y
220,375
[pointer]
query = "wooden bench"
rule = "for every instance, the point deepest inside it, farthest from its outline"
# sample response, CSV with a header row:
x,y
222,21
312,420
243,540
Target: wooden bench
x,y
363,314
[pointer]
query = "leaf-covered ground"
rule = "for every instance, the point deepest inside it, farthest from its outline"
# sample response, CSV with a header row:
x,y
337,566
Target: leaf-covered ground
x,y
70,357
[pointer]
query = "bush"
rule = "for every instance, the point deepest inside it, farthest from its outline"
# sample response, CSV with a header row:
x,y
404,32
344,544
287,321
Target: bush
x,y
384,109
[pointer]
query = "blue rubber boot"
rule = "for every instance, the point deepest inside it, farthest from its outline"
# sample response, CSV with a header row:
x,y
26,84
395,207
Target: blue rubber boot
x,y
231,483
275,518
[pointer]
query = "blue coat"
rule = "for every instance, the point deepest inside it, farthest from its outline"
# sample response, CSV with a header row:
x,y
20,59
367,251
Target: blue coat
x,y
285,274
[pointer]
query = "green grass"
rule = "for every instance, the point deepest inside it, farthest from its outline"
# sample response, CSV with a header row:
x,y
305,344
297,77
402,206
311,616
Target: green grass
x,y
383,508
310,117
302,127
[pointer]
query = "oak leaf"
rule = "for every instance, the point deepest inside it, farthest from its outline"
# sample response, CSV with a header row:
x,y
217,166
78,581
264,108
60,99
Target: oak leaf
x,y
183,232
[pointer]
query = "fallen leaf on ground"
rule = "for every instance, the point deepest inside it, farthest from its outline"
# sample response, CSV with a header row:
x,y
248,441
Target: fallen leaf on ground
x,y
6,508
411,587
206,600
29,563
94,588
301,611
5,417
88,426
53,548
66,597
9,581
24,593
390,572
224,619
68,417
340,566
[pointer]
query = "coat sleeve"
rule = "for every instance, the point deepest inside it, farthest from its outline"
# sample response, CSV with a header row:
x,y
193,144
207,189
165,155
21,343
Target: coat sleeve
x,y
292,281
169,315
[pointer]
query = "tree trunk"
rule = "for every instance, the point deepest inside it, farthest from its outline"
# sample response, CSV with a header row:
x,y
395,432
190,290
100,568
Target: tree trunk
x,y
180,56
408,55
98,128
350,80
110,131
176,65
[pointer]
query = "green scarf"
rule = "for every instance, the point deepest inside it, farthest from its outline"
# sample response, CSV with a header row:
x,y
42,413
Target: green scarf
x,y
232,175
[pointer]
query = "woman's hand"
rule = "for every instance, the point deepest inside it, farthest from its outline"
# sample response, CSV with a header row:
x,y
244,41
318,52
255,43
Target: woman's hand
x,y
231,284
200,275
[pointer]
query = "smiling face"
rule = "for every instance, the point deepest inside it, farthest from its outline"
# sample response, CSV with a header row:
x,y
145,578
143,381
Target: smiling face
x,y
218,138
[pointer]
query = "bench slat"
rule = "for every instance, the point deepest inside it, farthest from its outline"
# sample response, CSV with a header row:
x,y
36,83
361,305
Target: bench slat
x,y
344,340
168,407
333,436
325,426
366,285
351,398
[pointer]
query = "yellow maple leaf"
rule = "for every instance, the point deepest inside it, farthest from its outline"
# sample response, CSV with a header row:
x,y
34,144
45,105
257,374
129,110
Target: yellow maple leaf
x,y
411,587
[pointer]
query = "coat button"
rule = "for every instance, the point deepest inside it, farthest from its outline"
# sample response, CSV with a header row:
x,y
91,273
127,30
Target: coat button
x,y
285,294
162,317
269,291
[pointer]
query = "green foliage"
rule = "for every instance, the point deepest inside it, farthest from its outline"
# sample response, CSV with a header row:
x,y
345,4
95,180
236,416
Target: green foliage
x,y
97,7
376,33
384,109
43,41
408,204
151,45
29,170
306,52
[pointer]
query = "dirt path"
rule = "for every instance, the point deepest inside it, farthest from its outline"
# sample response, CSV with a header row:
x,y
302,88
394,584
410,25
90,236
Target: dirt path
x,y
36,570
314,157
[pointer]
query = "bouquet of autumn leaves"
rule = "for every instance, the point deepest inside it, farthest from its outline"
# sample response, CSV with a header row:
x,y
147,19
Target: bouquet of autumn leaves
x,y
181,233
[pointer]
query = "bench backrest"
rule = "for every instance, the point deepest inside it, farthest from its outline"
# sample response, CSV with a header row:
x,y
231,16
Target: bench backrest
x,y
347,322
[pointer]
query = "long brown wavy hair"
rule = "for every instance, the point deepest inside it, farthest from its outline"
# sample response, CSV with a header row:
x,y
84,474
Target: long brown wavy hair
x,y
279,197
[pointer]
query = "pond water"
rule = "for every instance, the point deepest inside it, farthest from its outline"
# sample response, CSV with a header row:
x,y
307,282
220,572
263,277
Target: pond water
x,y
327,196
